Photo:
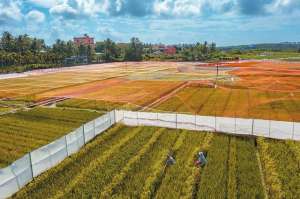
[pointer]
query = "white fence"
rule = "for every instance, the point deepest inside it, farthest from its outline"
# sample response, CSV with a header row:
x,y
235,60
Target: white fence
x,y
239,126
22,171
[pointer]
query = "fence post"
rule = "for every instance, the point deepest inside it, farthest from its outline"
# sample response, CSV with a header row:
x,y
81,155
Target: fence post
x,y
137,118
66,145
123,118
176,120
215,123
293,133
94,127
252,126
115,121
110,121
235,125
269,128
83,134
31,168
195,122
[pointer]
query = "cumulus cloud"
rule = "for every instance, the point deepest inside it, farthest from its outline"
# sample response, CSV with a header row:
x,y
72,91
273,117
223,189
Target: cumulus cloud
x,y
35,16
181,8
92,7
64,10
10,11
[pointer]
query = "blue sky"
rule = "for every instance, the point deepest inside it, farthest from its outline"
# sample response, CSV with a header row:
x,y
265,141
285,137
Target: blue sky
x,y
226,22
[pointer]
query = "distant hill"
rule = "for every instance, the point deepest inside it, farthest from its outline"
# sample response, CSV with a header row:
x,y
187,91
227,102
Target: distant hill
x,y
289,46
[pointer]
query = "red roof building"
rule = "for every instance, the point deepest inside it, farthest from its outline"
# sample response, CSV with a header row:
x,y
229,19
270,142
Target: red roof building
x,y
85,40
170,50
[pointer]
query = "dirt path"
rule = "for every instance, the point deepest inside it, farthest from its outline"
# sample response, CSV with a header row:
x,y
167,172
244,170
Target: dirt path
x,y
165,97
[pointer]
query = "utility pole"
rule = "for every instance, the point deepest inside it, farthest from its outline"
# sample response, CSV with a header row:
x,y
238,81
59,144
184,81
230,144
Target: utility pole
x,y
217,75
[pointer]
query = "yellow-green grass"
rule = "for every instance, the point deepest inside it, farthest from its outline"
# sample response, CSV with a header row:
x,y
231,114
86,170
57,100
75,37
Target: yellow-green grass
x,y
99,105
25,131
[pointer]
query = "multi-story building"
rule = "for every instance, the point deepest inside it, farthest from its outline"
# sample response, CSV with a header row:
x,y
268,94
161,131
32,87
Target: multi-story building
x,y
85,40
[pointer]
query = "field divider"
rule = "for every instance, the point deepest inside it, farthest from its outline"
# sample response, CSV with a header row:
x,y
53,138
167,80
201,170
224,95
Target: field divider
x,y
86,170
108,190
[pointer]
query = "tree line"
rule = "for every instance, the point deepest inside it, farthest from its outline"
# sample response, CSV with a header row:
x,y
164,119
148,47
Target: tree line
x,y
21,53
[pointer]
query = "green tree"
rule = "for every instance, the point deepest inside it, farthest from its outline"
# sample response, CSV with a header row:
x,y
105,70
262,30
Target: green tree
x,y
134,51
100,46
110,50
7,42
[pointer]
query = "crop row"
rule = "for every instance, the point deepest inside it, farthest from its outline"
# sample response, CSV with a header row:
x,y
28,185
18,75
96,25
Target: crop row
x,y
127,162
55,179
281,168
91,104
133,183
177,175
25,131
232,102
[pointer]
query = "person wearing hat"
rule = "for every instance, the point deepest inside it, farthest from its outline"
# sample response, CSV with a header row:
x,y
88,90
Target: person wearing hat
x,y
201,159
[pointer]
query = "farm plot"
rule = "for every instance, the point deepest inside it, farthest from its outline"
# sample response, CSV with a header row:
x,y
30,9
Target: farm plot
x,y
129,162
24,131
134,92
280,161
232,102
99,105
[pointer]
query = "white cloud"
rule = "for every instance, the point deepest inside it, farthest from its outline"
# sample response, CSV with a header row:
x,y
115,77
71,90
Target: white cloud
x,y
91,7
283,6
10,10
35,16
188,7
163,7
64,10
191,7
48,3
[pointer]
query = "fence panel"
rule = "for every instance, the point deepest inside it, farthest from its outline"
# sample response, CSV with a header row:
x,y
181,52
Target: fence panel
x,y
224,124
119,115
166,120
130,118
296,132
22,170
89,131
8,182
58,151
261,128
102,123
186,122
147,119
40,160
281,130
205,123
244,126
75,140
112,116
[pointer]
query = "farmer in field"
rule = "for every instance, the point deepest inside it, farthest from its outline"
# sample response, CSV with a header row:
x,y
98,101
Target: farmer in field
x,y
201,159
170,160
